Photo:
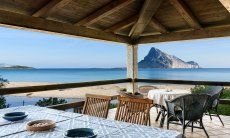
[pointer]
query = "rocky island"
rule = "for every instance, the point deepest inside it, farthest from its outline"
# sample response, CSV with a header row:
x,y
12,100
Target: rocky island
x,y
158,59
2,66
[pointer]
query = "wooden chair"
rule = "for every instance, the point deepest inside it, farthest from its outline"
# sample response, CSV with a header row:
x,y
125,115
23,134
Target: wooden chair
x,y
97,105
134,110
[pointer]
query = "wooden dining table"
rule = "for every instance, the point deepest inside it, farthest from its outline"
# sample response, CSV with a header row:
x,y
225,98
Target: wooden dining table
x,y
68,120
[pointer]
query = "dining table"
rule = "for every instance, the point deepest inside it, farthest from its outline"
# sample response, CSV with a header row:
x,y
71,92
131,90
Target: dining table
x,y
160,95
64,120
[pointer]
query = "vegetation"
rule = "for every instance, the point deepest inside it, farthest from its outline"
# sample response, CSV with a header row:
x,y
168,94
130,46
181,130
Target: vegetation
x,y
225,94
123,89
50,101
112,105
3,82
198,89
222,109
3,104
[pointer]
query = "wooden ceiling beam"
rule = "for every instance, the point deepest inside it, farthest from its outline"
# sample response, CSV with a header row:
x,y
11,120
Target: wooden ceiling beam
x,y
123,24
186,13
226,4
148,10
108,9
19,21
51,6
210,32
157,26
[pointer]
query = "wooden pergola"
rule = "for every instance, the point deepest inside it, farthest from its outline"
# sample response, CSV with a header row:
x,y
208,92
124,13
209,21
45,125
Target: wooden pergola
x,y
131,22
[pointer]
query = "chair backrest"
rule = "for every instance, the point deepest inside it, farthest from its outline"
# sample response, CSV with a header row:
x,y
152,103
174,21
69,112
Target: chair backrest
x,y
214,92
97,105
191,105
133,110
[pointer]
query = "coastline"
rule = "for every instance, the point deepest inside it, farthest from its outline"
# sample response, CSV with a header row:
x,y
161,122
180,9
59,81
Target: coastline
x,y
79,93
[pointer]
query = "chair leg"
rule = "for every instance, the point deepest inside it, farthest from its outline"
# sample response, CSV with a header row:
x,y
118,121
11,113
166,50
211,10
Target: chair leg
x,y
219,116
162,119
210,115
183,125
158,116
167,125
149,120
192,126
220,119
167,122
202,125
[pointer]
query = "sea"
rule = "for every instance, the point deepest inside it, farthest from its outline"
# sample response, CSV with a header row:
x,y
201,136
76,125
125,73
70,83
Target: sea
x,y
92,74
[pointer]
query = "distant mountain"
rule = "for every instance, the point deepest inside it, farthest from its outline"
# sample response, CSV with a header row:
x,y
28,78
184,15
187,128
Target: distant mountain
x,y
158,59
4,66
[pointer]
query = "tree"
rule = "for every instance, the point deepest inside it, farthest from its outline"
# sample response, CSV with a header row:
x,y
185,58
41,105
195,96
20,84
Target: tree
x,y
3,104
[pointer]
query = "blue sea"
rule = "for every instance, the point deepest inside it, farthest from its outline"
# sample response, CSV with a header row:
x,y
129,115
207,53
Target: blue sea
x,y
80,75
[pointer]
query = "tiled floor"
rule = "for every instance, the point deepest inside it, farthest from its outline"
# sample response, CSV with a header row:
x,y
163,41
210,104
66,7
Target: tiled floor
x,y
213,127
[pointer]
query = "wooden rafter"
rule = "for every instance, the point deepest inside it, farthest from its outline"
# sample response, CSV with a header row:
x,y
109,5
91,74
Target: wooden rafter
x,y
226,4
123,24
50,7
108,9
186,13
148,10
40,24
222,31
157,26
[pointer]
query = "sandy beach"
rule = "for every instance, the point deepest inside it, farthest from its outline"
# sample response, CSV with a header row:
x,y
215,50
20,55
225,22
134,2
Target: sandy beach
x,y
111,90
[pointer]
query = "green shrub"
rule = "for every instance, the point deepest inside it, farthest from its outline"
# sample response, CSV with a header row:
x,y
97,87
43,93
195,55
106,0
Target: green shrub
x,y
198,89
3,104
123,89
222,109
111,106
225,94
50,101
3,82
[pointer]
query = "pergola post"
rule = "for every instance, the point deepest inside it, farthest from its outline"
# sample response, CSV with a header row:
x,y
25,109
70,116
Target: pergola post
x,y
132,67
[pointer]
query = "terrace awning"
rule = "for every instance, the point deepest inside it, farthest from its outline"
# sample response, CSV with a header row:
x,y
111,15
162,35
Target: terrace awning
x,y
131,22
124,21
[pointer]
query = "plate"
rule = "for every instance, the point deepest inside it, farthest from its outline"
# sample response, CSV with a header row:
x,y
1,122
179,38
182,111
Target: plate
x,y
15,116
80,133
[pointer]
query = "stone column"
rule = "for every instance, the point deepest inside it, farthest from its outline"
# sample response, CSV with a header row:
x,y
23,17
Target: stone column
x,y
132,67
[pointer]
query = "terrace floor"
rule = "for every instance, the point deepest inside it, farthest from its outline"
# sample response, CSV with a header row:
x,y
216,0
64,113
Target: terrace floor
x,y
213,127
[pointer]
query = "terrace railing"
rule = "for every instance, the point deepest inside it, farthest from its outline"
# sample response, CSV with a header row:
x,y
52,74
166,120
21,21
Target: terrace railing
x,y
76,105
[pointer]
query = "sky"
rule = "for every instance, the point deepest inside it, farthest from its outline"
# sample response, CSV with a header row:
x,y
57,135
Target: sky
x,y
41,50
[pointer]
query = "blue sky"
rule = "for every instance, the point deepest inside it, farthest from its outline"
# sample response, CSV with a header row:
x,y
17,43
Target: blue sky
x,y
19,47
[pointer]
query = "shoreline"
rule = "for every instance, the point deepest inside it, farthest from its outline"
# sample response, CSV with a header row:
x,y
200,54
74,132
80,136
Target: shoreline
x,y
79,93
